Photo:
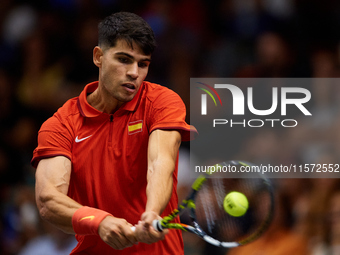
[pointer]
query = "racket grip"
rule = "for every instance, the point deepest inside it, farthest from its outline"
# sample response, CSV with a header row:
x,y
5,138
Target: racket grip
x,y
157,225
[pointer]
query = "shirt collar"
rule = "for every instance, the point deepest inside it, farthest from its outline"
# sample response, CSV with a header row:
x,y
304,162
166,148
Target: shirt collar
x,y
88,111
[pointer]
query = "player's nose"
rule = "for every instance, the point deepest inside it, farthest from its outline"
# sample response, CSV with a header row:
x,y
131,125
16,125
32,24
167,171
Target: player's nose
x,y
133,71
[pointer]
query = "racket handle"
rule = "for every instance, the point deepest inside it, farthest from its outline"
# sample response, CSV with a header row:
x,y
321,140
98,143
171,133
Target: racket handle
x,y
157,225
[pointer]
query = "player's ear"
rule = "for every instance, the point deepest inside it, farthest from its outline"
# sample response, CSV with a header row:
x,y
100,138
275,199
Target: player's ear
x,y
97,56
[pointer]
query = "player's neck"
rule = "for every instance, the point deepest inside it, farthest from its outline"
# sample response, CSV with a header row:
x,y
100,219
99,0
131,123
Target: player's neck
x,y
103,102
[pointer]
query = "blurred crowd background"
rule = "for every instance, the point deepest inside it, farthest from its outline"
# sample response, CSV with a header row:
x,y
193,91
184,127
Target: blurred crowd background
x,y
46,57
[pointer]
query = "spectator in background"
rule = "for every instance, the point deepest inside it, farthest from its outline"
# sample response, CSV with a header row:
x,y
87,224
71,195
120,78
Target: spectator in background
x,y
52,242
273,58
333,218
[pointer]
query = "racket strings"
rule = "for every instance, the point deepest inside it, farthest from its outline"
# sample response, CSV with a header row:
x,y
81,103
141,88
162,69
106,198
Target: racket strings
x,y
208,209
217,223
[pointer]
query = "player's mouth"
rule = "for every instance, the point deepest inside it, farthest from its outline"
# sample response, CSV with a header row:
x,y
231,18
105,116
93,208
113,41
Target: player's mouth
x,y
131,88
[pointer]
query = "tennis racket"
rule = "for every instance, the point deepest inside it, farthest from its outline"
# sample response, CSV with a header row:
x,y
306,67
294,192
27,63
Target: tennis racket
x,y
211,222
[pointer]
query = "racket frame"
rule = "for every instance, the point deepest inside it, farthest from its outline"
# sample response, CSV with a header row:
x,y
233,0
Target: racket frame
x,y
189,203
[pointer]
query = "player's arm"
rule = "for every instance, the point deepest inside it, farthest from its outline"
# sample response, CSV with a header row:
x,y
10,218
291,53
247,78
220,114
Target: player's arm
x,y
162,155
52,183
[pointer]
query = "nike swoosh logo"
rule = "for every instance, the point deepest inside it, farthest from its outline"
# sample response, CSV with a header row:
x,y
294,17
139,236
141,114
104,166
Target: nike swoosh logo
x,y
87,217
82,139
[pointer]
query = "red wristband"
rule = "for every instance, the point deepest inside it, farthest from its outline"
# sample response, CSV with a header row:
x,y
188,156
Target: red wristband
x,y
86,220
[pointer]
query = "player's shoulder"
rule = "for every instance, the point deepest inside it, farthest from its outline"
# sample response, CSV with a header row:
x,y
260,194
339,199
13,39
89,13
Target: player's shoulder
x,y
63,116
156,92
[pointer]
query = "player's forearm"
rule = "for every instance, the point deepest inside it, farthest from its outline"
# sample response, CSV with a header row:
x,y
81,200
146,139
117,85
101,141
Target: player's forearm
x,y
57,209
51,187
162,155
160,185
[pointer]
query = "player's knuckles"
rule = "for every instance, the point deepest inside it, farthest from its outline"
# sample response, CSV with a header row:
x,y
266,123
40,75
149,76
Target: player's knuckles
x,y
144,238
106,237
129,235
158,238
118,247
131,238
110,242
118,244
158,235
113,233
113,238
125,242
114,246
126,238
121,247
150,238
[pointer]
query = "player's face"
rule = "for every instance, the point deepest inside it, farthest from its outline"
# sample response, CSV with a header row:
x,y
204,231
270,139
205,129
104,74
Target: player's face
x,y
122,70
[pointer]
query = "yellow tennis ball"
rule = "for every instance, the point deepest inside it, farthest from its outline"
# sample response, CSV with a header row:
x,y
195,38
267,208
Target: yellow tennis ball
x,y
235,203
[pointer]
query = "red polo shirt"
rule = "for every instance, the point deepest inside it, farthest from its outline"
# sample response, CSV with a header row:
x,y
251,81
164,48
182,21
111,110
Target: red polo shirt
x,y
109,157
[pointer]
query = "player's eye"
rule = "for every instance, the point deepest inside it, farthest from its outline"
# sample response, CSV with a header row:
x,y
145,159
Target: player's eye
x,y
143,64
123,60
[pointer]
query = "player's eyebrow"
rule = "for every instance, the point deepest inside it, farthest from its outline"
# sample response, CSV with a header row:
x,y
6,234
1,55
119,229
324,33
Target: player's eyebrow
x,y
131,57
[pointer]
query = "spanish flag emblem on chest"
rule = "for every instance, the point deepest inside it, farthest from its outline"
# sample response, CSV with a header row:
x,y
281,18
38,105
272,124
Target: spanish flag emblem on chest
x,y
135,127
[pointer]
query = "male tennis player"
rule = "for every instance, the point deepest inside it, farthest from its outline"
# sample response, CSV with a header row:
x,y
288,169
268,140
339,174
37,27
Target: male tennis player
x,y
107,160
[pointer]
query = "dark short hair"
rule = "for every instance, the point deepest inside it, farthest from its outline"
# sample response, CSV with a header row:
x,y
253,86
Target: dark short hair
x,y
129,27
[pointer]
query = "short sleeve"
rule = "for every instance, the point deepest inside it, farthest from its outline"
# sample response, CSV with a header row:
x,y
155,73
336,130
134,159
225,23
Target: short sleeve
x,y
54,139
168,112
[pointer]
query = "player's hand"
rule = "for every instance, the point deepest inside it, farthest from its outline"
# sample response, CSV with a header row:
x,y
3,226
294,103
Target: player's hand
x,y
145,232
117,233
